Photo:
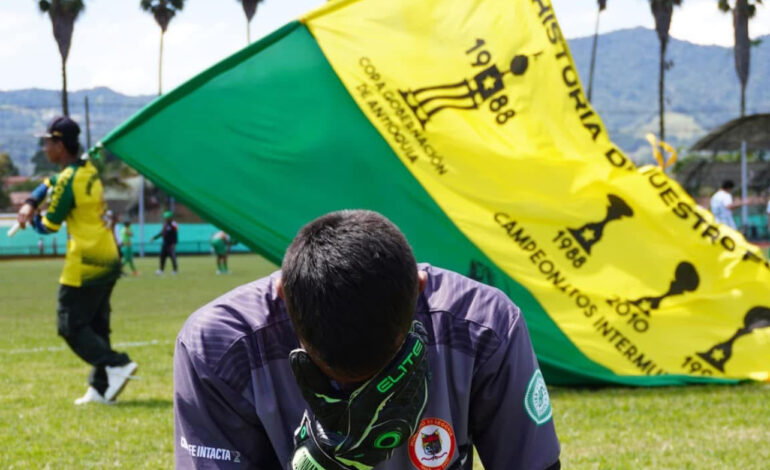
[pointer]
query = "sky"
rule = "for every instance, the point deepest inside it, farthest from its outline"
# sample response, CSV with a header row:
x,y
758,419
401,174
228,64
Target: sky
x,y
115,44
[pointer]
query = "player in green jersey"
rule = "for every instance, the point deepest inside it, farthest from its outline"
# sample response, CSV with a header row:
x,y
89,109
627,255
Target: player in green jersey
x,y
91,267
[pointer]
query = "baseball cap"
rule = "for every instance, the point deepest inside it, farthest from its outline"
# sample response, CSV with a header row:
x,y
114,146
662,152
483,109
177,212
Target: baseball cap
x,y
62,127
168,214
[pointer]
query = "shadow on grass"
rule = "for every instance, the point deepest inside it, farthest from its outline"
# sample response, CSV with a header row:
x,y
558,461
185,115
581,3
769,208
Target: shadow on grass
x,y
148,403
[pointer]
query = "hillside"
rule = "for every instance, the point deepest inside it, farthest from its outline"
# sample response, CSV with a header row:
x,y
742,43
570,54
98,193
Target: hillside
x,y
702,91
23,113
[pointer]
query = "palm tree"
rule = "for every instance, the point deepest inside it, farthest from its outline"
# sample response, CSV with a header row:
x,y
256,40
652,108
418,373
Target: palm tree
x,y
742,11
163,11
602,6
662,10
63,14
250,9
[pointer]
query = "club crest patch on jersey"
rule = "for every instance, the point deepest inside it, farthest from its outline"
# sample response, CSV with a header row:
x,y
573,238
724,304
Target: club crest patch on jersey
x,y
536,400
433,445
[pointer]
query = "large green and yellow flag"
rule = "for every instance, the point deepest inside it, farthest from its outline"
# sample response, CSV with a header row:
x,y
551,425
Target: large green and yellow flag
x,y
466,124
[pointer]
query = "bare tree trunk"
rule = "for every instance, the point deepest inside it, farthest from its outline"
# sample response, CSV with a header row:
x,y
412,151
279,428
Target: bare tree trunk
x,y
593,56
662,10
742,47
661,92
64,102
160,65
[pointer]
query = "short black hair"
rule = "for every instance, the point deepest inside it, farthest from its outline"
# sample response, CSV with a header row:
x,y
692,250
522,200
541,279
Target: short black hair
x,y
728,184
350,286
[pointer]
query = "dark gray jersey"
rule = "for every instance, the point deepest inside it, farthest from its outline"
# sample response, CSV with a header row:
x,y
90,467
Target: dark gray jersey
x,y
236,404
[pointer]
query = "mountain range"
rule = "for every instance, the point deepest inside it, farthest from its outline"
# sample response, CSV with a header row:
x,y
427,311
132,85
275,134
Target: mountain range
x,y
702,92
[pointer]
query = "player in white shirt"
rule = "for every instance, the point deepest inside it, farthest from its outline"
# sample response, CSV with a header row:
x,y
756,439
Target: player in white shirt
x,y
722,204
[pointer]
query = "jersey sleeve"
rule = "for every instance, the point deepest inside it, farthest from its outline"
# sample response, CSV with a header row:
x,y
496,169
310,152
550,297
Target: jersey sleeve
x,y
510,411
215,427
38,194
62,201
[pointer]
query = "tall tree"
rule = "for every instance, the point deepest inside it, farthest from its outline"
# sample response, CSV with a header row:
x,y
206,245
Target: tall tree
x,y
742,10
7,168
63,14
662,10
250,9
162,11
602,6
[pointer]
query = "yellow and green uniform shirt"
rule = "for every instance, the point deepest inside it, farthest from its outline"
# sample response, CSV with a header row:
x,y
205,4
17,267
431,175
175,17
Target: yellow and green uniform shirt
x,y
78,199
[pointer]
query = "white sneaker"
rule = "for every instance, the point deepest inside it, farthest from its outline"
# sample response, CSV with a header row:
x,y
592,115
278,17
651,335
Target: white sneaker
x,y
159,272
92,396
174,273
117,377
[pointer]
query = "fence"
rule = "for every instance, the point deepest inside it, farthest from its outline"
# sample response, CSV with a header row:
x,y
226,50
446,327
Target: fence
x,y
193,239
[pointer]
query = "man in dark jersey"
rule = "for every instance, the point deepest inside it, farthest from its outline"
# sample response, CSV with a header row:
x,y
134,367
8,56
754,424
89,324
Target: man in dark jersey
x,y
350,295
169,232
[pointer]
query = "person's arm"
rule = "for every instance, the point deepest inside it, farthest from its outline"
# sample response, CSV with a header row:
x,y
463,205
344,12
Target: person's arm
x,y
215,427
510,418
62,202
175,234
27,210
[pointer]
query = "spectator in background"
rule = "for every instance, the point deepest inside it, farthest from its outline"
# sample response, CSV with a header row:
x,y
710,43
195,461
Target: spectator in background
x,y
767,215
722,204
220,243
170,234
126,247
113,221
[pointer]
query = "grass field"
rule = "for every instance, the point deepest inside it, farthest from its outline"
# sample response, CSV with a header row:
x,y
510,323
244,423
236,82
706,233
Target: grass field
x,y
612,428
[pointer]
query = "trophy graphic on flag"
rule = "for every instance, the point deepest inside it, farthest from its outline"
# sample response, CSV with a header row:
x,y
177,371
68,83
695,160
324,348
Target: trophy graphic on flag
x,y
719,354
685,280
466,94
589,234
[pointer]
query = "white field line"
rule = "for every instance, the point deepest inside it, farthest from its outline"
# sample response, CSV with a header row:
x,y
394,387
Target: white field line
x,y
126,344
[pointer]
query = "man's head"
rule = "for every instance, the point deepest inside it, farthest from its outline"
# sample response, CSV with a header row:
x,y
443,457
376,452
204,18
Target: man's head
x,y
168,215
60,141
728,185
350,283
127,223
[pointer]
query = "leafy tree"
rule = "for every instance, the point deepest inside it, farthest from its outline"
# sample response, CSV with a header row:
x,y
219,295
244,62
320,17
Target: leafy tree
x,y
5,199
742,10
63,14
42,165
7,168
249,9
162,11
602,6
663,10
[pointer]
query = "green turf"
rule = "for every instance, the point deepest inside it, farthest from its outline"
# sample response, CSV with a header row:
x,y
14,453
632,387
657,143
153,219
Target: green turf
x,y
698,427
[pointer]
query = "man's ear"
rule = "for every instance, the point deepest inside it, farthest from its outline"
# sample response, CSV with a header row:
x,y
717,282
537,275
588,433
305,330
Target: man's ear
x,y
279,288
422,279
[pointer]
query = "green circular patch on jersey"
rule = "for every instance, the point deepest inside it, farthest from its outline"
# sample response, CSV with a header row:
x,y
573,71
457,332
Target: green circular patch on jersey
x,y
536,400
